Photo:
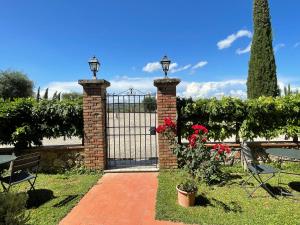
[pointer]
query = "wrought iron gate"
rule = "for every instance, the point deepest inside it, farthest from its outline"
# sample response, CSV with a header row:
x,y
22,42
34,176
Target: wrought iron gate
x,y
130,130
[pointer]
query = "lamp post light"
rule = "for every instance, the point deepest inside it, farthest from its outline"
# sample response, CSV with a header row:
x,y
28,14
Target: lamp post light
x,y
165,63
94,66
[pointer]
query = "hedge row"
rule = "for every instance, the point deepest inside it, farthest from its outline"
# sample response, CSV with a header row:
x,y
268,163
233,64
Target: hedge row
x,y
24,122
265,117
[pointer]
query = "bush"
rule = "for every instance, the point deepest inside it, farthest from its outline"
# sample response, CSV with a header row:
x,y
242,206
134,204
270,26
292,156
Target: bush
x,y
24,122
12,209
199,161
264,117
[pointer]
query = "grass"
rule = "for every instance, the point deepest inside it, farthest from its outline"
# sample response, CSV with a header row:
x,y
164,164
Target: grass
x,y
55,196
227,204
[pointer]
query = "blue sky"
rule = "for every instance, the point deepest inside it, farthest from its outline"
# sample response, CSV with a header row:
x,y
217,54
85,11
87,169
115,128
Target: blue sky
x,y
207,41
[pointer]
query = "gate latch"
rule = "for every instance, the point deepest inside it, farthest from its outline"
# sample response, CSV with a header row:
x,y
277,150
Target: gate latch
x,y
152,130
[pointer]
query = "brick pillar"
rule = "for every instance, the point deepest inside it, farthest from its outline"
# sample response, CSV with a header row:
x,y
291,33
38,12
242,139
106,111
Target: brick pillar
x,y
94,114
166,107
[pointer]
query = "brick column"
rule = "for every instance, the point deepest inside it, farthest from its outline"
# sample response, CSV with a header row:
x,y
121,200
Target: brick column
x,y
94,113
166,107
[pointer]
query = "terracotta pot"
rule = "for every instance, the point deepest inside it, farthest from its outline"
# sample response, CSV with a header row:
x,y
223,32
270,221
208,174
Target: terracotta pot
x,y
186,199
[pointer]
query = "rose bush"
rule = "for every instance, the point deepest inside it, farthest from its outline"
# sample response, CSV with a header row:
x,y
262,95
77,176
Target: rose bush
x,y
199,160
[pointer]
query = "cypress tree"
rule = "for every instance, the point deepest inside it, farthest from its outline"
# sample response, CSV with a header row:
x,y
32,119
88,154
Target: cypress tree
x,y
38,95
262,78
46,94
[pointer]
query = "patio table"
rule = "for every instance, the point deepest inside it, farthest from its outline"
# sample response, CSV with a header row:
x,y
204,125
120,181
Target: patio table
x,y
6,159
284,152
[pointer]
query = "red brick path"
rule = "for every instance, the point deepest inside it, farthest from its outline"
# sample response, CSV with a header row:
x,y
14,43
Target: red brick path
x,y
118,199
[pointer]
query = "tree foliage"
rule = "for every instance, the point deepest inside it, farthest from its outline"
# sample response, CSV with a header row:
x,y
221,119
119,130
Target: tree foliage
x,y
46,94
25,122
72,95
262,78
265,117
15,84
149,103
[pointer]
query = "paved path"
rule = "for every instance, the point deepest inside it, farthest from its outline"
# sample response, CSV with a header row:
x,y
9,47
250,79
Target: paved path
x,y
118,199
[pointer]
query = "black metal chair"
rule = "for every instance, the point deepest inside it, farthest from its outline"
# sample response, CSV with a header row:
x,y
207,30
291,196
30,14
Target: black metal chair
x,y
257,171
24,168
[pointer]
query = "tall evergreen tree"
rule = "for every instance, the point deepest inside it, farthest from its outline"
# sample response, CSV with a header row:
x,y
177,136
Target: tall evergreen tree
x,y
54,97
38,95
46,94
262,78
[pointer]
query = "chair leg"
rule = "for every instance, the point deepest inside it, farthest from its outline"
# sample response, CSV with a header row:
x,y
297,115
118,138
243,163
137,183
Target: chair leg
x,y
31,185
4,188
262,183
244,185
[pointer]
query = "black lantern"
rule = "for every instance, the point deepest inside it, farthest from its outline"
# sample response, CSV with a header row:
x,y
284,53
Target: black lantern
x,y
165,63
94,66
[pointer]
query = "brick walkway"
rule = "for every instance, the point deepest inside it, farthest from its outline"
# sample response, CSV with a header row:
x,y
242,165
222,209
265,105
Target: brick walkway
x,y
118,199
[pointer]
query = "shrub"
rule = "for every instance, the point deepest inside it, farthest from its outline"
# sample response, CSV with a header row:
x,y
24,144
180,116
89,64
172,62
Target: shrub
x,y
24,122
12,209
196,158
265,117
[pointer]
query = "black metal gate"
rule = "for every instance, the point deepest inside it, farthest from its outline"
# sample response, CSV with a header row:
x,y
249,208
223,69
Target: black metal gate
x,y
130,130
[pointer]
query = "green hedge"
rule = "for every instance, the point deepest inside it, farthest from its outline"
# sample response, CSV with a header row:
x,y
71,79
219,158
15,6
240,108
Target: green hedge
x,y
265,117
25,121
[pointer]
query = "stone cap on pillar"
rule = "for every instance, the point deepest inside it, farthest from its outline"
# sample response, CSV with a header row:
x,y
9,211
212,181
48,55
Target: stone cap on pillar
x,y
166,82
90,83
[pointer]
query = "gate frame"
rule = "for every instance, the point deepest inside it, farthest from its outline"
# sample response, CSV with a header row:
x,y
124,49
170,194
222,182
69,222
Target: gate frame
x,y
122,100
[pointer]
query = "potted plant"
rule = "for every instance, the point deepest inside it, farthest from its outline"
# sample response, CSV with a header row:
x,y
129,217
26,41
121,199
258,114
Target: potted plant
x,y
186,192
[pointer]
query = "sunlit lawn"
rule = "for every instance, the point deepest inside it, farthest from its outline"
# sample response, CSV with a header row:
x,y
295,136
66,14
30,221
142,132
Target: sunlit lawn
x,y
55,196
228,204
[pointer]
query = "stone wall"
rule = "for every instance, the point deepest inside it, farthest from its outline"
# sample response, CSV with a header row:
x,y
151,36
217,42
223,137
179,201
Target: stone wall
x,y
55,158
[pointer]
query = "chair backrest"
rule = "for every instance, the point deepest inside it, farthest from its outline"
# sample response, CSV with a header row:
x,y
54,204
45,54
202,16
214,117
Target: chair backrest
x,y
26,162
247,154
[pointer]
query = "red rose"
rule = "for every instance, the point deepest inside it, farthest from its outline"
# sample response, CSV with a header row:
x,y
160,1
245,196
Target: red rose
x,y
169,122
200,127
192,140
161,129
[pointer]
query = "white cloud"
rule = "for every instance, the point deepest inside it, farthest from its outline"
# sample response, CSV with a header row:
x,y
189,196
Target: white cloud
x,y
226,43
278,46
151,67
297,45
123,83
236,88
245,50
63,87
156,66
174,70
200,65
173,66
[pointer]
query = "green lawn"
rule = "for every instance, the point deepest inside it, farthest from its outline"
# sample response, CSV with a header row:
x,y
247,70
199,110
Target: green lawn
x,y
55,196
227,204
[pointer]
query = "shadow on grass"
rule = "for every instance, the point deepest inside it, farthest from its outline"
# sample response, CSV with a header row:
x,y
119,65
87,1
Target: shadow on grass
x,y
295,186
203,201
230,179
65,201
230,207
38,197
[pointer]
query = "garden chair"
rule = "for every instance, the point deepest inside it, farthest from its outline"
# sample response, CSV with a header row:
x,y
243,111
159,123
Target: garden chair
x,y
23,168
257,171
